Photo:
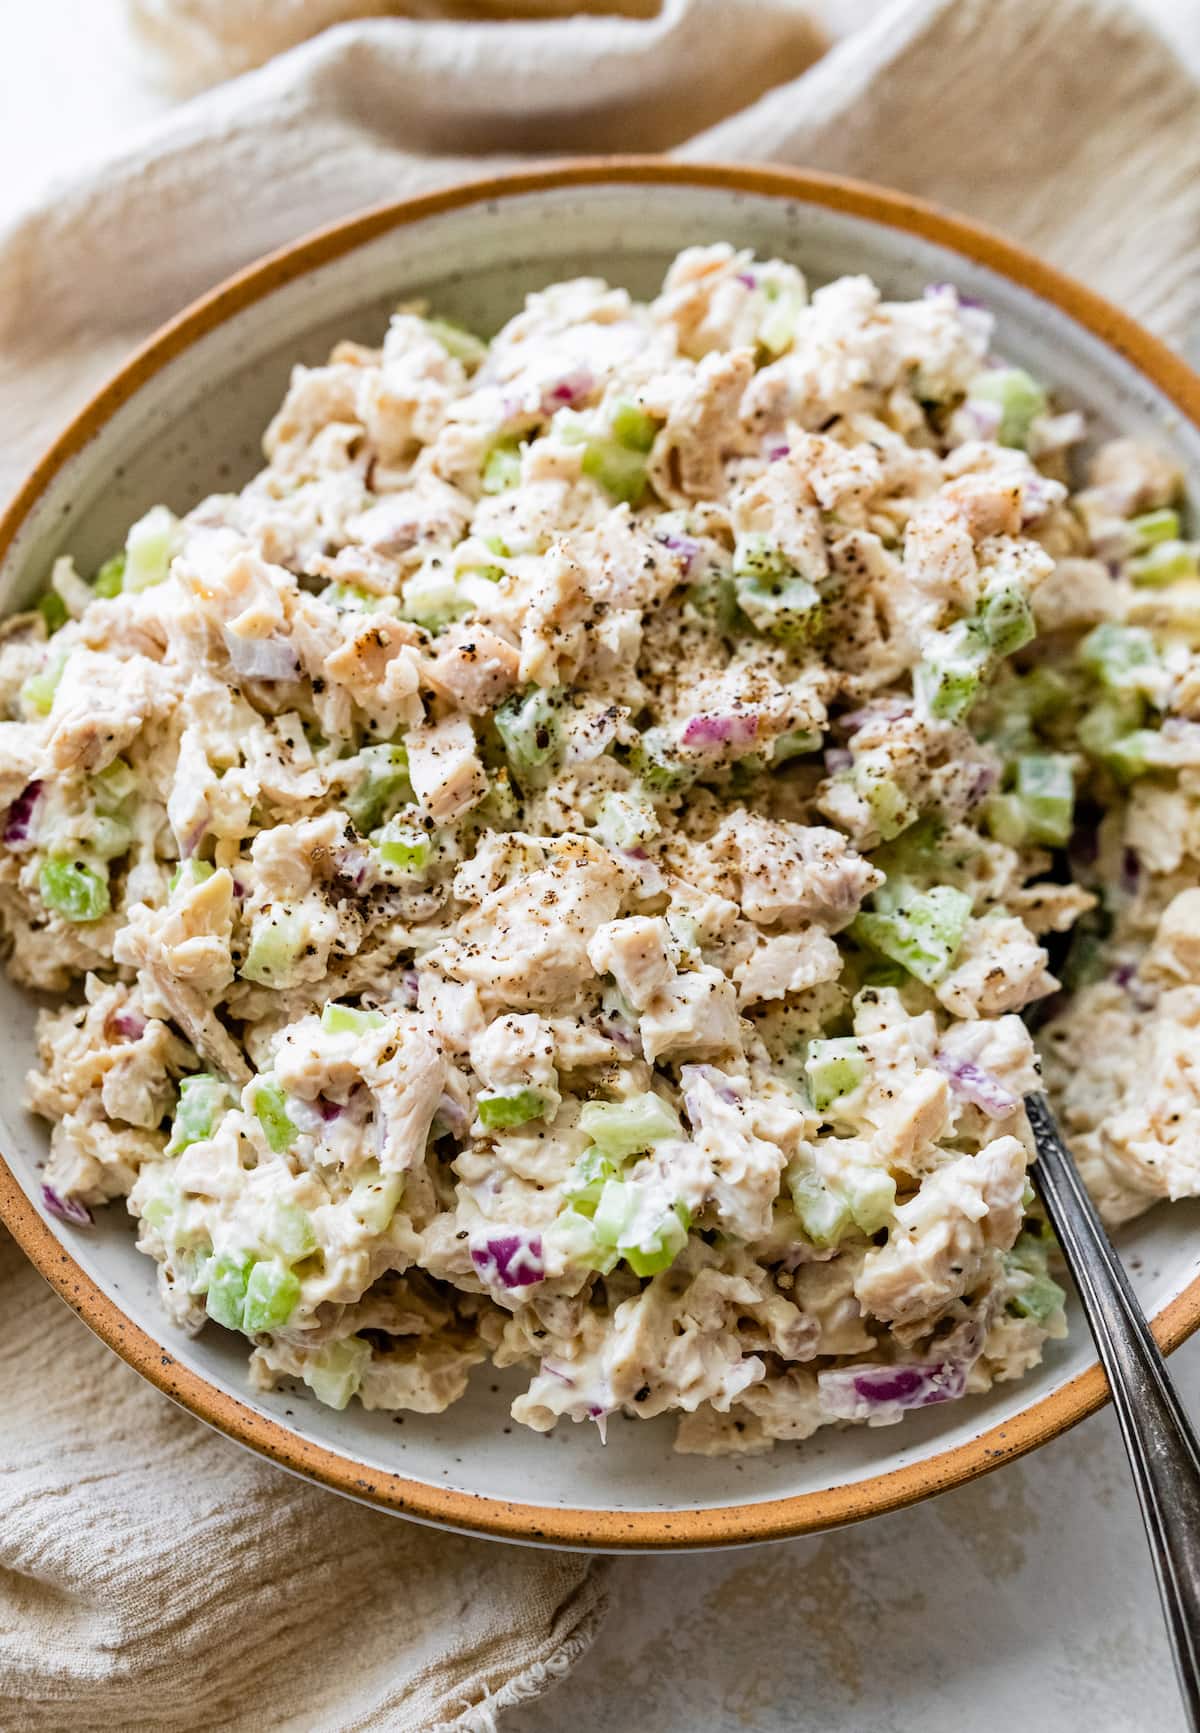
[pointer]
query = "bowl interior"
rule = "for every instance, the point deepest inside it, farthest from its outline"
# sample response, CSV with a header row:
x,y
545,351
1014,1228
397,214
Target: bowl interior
x,y
193,427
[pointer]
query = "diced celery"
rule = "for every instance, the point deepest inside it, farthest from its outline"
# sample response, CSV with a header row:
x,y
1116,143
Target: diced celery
x,y
336,1373
1153,527
713,600
110,836
834,1068
227,1280
73,890
587,1180
202,1100
499,1108
407,848
922,933
110,579
275,943
1109,732
383,785
614,1211
574,1234
349,599
503,467
374,1197
891,809
149,547
632,427
1021,400
290,1231
657,1253
53,610
1038,1299
777,331
457,341
1006,818
270,1109
1038,1296
160,1195
349,1019
624,1128
271,1294
1006,620
113,786
1117,655
947,681
529,727
432,597
616,468
190,872
757,556
822,1213
656,763
38,690
1046,790
871,1195
1164,563
626,819
798,744
789,609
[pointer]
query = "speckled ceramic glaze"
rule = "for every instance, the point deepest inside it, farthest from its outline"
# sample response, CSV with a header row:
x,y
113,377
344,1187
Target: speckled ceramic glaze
x,y
184,418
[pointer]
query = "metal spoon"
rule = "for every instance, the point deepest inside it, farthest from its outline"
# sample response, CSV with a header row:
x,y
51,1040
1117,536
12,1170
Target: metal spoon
x,y
1159,1440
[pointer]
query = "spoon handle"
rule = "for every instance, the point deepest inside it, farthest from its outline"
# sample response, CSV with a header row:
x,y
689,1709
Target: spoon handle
x,y
1162,1447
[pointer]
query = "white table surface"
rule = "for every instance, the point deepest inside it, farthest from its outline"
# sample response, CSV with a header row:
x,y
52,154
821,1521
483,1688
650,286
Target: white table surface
x,y
1024,1601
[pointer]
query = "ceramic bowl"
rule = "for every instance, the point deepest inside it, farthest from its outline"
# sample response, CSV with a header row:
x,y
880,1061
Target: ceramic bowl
x,y
184,418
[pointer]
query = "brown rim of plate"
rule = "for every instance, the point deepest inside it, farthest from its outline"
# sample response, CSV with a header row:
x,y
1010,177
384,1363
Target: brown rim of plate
x,y
650,1530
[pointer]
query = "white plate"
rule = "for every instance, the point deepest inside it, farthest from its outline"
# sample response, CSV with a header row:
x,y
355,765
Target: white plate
x,y
185,419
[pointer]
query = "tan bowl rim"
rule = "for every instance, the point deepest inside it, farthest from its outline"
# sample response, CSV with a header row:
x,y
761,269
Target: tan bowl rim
x,y
650,1530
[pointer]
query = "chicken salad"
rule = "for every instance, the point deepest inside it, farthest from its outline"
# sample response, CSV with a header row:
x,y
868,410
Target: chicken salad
x,y
556,863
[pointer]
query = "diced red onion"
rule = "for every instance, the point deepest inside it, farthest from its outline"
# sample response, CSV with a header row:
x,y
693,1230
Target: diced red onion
x,y
572,388
982,419
876,1392
1127,978
775,452
685,547
1037,496
747,279
126,1024
262,658
937,291
410,983
838,759
191,842
983,780
453,1116
18,823
691,1076
882,710
511,1260
354,862
738,729
650,877
329,1110
554,1371
67,1209
1131,871
970,1082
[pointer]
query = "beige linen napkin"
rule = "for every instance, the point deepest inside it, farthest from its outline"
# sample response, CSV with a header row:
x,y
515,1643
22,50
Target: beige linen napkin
x,y
151,1575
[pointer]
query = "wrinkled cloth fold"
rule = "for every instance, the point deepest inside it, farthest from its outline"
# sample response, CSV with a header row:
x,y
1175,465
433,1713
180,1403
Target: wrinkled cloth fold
x,y
152,1575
